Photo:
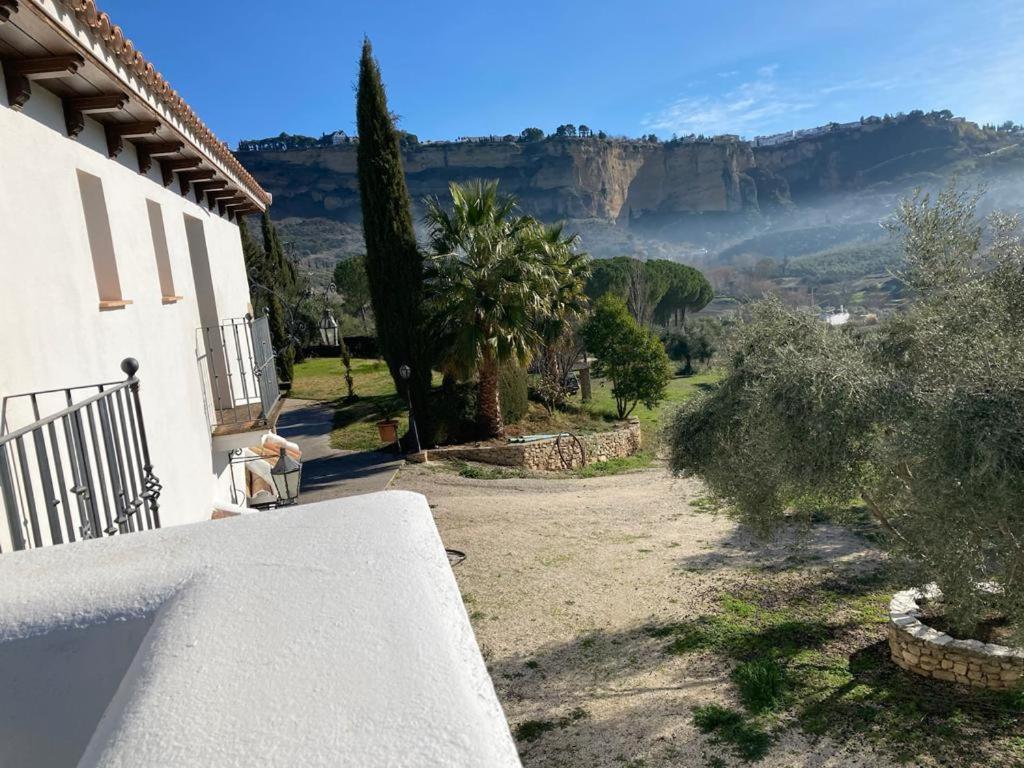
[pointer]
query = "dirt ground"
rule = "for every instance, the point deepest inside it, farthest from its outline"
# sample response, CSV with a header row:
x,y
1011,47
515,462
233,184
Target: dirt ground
x,y
561,579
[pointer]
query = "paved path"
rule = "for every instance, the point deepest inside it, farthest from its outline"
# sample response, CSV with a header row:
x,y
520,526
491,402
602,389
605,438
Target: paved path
x,y
328,473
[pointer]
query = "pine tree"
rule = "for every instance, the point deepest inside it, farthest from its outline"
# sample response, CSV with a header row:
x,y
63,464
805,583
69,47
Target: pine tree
x,y
394,263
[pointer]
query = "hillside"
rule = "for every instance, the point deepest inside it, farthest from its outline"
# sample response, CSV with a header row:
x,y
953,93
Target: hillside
x,y
720,201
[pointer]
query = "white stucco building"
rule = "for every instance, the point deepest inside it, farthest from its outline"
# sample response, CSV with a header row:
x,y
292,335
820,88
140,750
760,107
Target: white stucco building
x,y
131,373
118,239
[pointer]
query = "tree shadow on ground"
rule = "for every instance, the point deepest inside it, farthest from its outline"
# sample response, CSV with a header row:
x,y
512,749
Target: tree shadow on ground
x,y
790,547
365,408
863,695
629,694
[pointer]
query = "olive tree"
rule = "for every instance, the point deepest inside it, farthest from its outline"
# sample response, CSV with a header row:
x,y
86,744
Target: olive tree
x,y
921,417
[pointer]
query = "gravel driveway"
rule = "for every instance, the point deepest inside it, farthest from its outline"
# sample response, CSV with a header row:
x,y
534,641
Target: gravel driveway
x,y
563,578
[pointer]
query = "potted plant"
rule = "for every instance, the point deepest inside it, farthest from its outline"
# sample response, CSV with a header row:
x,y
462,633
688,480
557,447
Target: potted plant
x,y
387,427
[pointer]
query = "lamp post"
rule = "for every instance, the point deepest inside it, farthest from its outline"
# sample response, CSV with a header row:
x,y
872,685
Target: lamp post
x,y
292,306
328,328
286,474
405,372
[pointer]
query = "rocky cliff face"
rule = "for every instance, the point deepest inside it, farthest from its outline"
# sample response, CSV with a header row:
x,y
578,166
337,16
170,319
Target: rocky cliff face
x,y
556,179
879,152
671,192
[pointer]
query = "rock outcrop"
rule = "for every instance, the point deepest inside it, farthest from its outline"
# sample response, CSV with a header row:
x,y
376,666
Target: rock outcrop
x,y
662,190
554,179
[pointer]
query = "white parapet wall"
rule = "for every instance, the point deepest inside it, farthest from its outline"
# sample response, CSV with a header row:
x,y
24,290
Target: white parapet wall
x,y
331,634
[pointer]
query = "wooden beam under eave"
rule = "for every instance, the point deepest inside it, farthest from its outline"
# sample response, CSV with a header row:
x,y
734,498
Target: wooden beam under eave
x,y
187,177
118,132
169,167
19,74
147,150
7,9
202,187
77,107
215,195
222,205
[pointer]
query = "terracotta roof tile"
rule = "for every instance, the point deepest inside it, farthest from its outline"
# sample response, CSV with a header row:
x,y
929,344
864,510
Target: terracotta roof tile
x,y
113,38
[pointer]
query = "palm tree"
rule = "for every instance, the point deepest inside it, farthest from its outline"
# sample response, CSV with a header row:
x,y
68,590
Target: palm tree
x,y
488,283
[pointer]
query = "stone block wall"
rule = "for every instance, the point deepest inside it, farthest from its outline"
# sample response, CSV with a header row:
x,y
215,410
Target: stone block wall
x,y
918,648
552,454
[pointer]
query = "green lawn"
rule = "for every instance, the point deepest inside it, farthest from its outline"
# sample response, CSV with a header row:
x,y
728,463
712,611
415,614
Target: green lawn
x,y
355,422
680,389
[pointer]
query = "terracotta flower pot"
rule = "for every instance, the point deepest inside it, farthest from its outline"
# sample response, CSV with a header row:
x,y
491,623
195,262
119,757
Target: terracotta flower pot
x,y
388,431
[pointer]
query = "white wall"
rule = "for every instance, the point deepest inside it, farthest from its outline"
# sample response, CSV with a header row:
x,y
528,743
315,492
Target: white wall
x,y
54,334
351,648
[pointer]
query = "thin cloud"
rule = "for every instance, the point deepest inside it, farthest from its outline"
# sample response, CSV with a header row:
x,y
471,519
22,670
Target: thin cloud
x,y
740,110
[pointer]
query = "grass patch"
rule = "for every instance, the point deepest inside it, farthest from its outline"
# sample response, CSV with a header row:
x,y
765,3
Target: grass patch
x,y
484,472
748,740
477,471
816,655
355,428
761,684
679,390
355,422
632,463
531,730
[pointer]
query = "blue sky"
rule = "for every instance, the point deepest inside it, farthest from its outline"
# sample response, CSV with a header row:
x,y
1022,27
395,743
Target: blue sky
x,y
256,68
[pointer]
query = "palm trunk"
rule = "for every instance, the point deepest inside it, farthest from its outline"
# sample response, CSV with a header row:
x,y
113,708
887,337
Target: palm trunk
x,y
488,406
448,383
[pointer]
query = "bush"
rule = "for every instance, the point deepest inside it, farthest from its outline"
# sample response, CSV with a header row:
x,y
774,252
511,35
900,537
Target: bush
x,y
513,392
455,409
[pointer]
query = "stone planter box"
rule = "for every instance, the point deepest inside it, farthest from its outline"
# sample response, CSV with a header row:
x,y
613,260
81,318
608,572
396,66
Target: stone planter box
x,y
918,648
551,454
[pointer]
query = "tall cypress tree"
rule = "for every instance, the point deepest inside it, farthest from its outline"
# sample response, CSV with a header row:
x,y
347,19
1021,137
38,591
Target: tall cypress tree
x,y
394,264
279,278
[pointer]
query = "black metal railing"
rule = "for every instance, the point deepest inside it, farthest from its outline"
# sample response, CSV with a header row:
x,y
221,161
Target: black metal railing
x,y
236,362
79,473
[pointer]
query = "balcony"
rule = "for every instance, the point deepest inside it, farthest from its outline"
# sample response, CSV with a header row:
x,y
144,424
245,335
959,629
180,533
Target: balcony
x,y
81,472
240,388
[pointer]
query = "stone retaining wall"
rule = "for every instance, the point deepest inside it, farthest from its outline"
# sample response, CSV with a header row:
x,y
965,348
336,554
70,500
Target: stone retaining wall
x,y
552,454
918,648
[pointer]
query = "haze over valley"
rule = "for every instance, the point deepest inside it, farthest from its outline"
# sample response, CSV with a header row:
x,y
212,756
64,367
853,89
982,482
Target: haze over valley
x,y
797,214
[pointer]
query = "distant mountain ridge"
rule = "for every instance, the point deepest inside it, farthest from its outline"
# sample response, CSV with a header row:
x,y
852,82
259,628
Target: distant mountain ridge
x,y
696,190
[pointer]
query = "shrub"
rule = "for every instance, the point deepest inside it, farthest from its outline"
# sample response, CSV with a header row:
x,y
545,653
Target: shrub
x,y
455,410
513,392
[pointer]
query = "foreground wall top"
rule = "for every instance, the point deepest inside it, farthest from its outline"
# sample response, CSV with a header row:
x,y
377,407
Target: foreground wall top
x,y
325,635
